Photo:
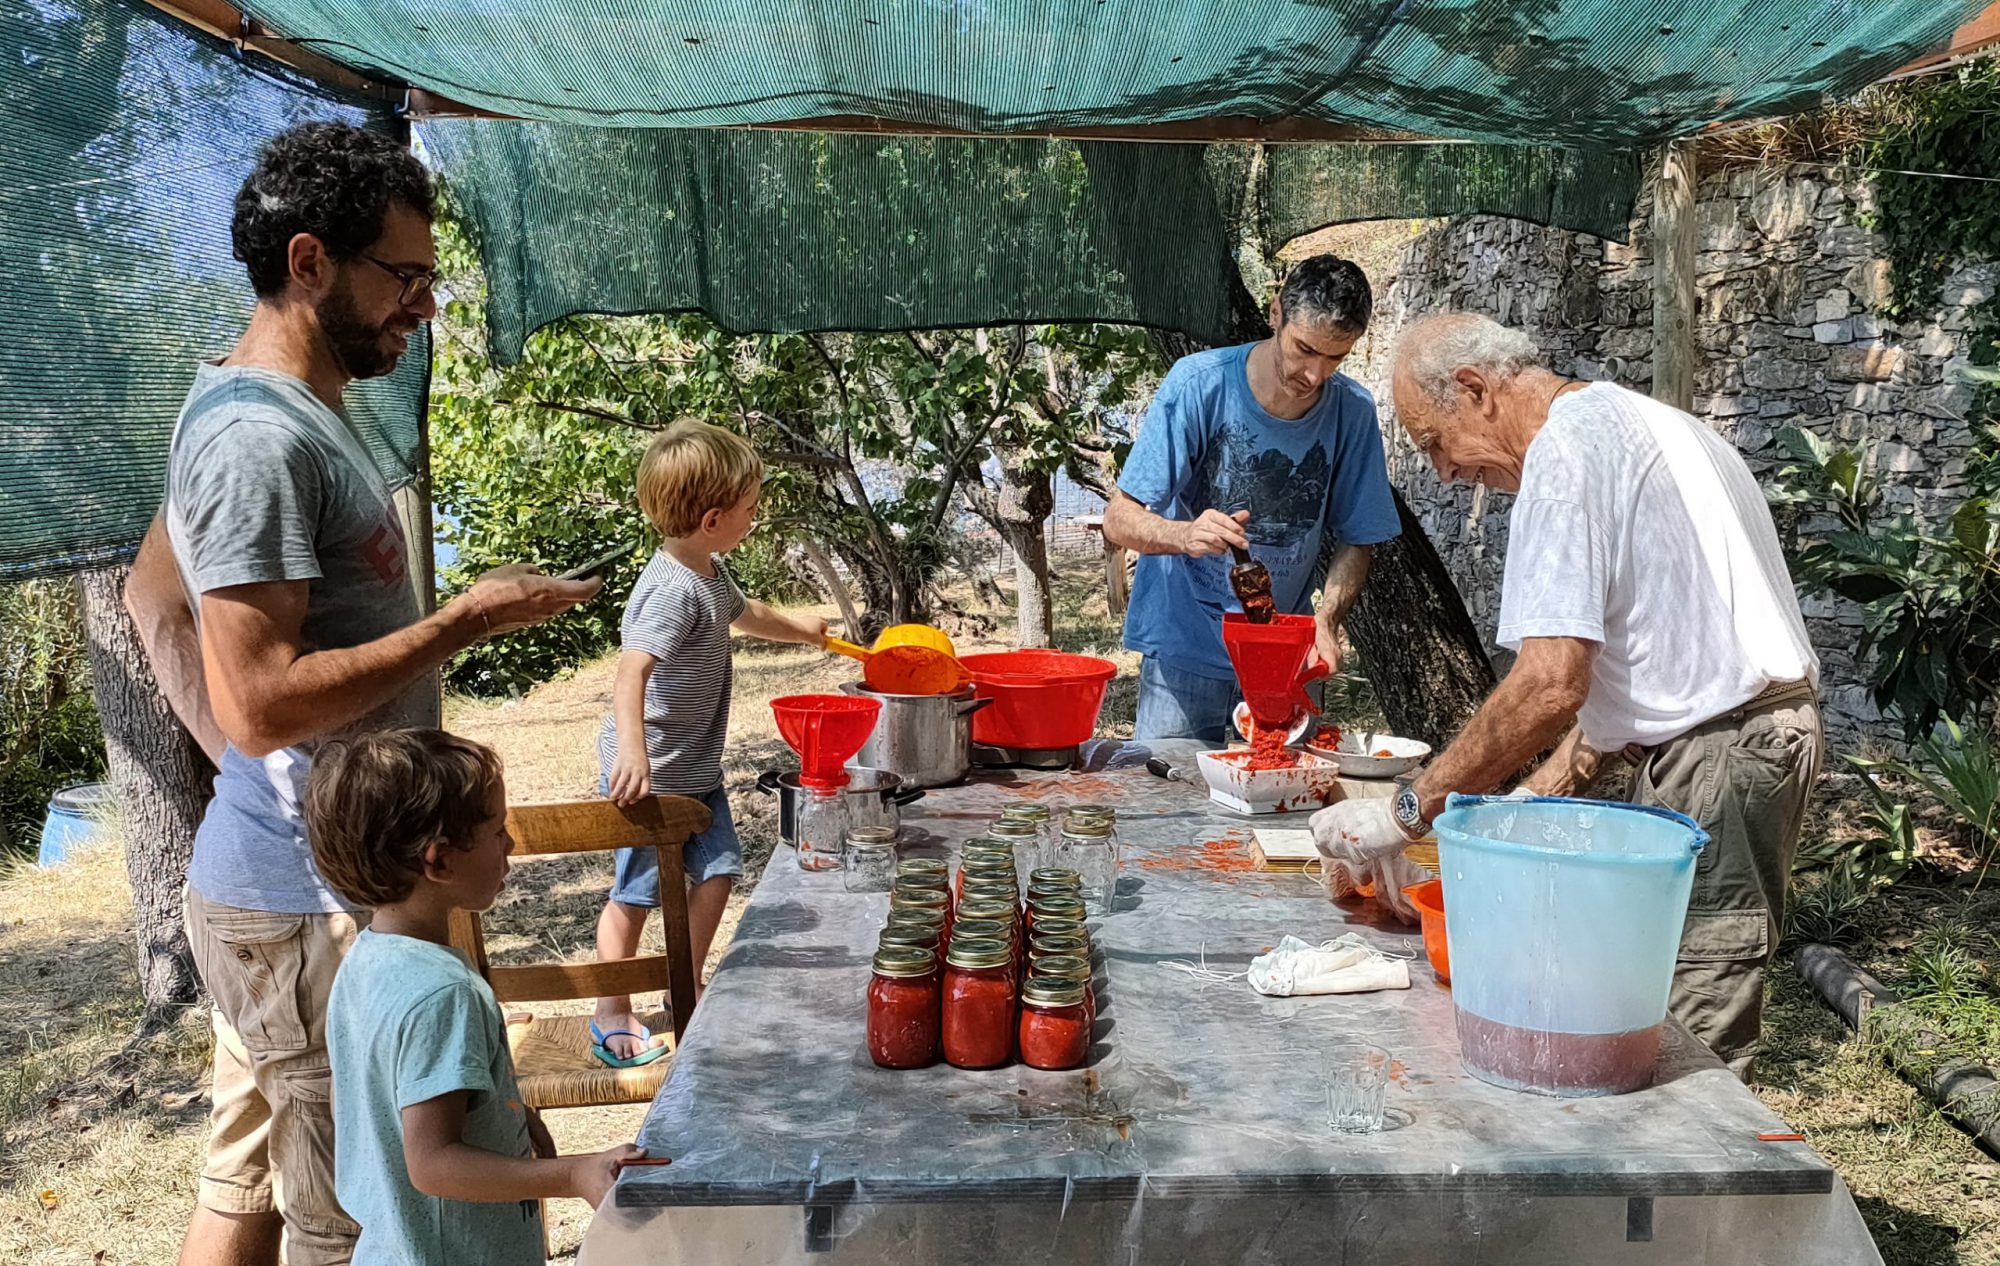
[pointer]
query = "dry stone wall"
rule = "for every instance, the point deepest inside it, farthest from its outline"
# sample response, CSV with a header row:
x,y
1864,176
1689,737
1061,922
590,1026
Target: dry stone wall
x,y
1790,330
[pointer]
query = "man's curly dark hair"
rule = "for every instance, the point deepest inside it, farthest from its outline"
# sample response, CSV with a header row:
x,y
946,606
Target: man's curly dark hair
x,y
331,180
1330,289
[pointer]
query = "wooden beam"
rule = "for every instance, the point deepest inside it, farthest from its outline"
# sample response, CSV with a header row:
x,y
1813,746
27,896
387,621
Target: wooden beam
x,y
1673,276
230,23
1982,32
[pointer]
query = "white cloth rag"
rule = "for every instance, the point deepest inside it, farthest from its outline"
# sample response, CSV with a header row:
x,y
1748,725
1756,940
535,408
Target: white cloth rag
x,y
1347,965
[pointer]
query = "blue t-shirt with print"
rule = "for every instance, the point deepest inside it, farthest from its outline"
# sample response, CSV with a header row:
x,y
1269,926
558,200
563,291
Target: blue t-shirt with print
x,y
1207,444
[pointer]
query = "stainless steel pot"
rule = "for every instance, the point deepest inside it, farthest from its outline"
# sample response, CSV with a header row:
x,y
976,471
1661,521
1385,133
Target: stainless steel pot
x,y
875,797
924,739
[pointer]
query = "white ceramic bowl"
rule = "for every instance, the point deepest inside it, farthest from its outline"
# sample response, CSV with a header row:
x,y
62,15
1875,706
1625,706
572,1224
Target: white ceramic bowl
x,y
1357,757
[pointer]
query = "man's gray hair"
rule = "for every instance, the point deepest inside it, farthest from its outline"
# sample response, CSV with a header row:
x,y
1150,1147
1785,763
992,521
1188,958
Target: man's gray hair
x,y
1437,347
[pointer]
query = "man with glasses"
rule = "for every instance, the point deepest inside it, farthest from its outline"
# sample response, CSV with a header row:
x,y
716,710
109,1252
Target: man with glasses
x,y
275,599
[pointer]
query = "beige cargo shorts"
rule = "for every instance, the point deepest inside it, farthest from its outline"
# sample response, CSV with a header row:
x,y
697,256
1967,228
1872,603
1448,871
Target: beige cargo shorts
x,y
1744,777
270,1143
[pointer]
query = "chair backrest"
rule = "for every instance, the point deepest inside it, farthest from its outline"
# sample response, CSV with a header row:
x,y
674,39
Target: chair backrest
x,y
664,823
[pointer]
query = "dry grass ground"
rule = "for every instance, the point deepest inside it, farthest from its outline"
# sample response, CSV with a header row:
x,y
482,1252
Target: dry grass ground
x,y
112,1131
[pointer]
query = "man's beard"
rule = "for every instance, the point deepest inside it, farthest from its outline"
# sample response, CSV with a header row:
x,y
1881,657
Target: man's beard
x,y
357,346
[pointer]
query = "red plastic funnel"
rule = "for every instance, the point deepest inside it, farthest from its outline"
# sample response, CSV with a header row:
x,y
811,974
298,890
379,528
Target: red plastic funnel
x,y
825,730
1270,663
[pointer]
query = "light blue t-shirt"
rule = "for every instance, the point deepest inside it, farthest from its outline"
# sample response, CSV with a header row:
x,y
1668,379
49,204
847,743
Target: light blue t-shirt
x,y
1207,444
409,1021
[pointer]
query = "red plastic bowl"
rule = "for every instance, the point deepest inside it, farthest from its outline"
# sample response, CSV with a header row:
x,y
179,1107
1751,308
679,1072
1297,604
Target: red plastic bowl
x,y
1041,699
1428,898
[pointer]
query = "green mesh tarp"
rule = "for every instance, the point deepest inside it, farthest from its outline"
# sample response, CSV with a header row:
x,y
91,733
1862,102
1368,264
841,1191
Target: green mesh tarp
x,y
1566,72
1308,186
127,136
791,231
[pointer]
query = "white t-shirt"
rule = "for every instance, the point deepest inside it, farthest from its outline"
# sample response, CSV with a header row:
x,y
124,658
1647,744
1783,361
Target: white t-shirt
x,y
1639,529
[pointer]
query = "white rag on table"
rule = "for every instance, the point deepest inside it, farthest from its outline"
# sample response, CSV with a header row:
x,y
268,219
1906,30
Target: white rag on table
x,y
1347,965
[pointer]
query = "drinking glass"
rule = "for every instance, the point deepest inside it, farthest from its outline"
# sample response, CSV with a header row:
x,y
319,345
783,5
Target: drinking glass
x,y
1357,1079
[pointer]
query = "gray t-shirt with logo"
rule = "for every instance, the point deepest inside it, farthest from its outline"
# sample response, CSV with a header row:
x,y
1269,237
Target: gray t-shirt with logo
x,y
266,483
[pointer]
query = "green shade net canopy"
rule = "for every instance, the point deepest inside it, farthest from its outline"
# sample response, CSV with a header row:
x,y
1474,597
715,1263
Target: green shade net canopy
x,y
128,136
1559,72
791,231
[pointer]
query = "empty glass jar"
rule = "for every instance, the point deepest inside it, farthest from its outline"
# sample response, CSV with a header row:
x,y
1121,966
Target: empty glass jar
x,y
869,859
821,831
1089,849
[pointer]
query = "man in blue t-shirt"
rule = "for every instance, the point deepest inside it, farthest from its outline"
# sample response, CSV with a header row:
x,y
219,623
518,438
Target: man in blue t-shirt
x,y
1267,447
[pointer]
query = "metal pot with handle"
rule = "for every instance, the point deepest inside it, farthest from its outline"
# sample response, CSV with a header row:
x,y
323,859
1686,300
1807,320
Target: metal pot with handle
x,y
926,740
875,797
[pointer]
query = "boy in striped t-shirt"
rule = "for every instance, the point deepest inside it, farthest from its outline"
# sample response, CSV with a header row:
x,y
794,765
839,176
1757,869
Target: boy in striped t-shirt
x,y
698,485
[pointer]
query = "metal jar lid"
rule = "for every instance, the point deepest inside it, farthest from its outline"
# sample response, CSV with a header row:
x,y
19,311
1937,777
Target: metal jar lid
x,y
1104,811
912,934
1001,911
1055,875
1013,829
1067,944
922,866
922,898
1056,908
915,916
979,930
871,835
1052,991
904,960
1065,966
1046,892
969,952
1087,829
924,880
1030,812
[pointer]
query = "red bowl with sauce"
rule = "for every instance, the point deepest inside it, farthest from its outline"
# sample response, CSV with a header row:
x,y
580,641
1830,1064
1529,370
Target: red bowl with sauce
x,y
1428,898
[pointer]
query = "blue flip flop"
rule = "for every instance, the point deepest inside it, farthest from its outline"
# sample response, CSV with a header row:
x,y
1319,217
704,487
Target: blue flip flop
x,y
648,1052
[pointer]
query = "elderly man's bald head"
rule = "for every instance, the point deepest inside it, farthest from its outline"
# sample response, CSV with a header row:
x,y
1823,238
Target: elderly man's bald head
x,y
1455,380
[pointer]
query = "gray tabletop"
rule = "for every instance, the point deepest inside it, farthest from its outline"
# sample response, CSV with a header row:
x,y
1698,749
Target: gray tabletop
x,y
1194,1088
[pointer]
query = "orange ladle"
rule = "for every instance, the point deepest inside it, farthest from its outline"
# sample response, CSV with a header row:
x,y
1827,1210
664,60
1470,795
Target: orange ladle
x,y
906,660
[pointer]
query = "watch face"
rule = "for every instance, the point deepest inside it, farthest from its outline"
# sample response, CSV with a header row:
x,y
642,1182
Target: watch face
x,y
1406,807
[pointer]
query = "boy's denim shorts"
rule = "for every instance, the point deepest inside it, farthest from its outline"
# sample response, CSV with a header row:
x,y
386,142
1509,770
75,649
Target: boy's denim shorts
x,y
712,853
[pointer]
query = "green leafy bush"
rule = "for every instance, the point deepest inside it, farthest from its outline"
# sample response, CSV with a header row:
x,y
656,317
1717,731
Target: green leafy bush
x,y
49,733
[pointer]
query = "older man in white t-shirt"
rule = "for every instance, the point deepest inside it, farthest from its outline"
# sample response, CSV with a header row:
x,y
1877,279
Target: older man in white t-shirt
x,y
1653,616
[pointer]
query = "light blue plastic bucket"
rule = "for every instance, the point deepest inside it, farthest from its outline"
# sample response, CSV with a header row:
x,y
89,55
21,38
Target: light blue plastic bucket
x,y
77,816
1564,919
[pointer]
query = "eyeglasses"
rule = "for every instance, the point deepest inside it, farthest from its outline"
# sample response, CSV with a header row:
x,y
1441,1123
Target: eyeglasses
x,y
417,286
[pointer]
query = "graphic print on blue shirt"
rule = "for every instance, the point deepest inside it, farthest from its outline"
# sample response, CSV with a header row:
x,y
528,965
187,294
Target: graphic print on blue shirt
x,y
1207,444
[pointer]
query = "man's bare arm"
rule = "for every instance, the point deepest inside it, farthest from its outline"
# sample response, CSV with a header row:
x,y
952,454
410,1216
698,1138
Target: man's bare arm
x,y
1525,713
268,693
159,609
1130,524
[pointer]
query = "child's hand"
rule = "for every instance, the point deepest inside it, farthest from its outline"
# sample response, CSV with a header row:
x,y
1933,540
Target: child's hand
x,y
591,1176
631,776
815,631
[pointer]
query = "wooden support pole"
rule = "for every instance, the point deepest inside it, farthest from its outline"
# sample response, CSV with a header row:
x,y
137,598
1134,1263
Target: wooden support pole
x,y
1673,277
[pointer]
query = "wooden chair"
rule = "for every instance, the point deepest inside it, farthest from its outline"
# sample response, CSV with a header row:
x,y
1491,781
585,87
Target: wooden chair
x,y
552,1055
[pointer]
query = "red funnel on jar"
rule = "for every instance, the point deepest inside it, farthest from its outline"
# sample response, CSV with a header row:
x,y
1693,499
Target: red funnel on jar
x,y
825,730
1271,665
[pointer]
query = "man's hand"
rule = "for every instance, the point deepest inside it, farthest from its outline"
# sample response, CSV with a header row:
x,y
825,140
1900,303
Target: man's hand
x,y
631,775
1215,533
518,595
1329,641
1390,875
1351,837
591,1176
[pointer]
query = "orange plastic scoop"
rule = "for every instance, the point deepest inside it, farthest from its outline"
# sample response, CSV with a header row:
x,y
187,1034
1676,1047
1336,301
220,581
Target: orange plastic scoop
x,y
905,668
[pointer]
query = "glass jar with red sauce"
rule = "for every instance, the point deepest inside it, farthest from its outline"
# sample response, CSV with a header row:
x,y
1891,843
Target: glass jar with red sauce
x,y
1054,1028
905,1009
918,937
980,930
1043,943
1005,913
978,1003
1065,907
1074,967
918,897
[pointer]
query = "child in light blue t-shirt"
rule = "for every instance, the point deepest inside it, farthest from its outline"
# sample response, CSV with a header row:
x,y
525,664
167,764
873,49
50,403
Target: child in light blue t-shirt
x,y
434,1154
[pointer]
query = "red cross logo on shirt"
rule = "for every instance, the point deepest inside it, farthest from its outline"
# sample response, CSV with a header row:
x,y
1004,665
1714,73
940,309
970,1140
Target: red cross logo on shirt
x,y
384,551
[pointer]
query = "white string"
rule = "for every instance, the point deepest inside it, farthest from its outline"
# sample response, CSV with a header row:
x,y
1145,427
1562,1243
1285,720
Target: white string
x,y
1202,971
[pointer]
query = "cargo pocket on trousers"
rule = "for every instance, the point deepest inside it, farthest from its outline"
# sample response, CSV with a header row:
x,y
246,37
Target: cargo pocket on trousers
x,y
1726,936
305,1165
256,984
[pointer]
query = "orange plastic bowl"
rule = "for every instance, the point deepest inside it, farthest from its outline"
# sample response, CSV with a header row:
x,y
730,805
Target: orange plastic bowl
x,y
1428,898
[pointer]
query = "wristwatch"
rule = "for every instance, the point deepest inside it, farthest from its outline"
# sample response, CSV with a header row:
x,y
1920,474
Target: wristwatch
x,y
1409,814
